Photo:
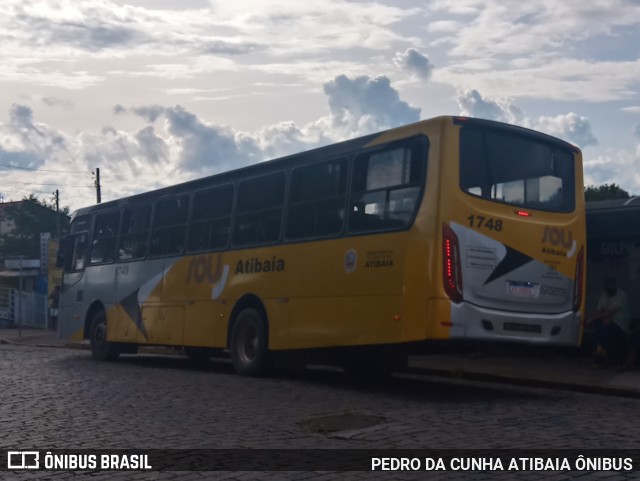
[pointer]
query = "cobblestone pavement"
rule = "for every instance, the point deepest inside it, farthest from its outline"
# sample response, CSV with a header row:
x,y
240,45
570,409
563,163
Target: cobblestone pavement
x,y
62,399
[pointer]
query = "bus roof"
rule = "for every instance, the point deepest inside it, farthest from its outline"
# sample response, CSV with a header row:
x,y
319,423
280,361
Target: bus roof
x,y
613,205
614,219
326,152
516,130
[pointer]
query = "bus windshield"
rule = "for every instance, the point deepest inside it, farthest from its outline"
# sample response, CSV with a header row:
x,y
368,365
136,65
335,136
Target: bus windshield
x,y
515,169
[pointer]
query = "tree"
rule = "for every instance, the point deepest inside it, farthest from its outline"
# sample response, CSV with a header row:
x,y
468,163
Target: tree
x,y
605,192
30,217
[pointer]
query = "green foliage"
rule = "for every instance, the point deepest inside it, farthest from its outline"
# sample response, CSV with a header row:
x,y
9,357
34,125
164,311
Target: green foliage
x,y
605,192
31,217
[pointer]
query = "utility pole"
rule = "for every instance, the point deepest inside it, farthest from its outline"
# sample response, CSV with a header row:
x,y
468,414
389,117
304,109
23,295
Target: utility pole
x,y
19,313
98,192
57,198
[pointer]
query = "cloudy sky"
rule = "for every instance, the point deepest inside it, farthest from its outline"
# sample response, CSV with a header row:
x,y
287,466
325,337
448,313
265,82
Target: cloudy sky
x,y
153,92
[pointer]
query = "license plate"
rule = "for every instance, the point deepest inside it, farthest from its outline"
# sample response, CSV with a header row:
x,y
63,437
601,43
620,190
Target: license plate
x,y
513,326
523,289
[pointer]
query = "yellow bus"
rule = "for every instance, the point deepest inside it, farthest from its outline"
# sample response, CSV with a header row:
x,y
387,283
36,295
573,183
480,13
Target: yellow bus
x,y
447,229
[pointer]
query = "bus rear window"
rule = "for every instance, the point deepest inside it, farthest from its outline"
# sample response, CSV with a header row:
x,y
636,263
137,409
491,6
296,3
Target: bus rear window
x,y
516,170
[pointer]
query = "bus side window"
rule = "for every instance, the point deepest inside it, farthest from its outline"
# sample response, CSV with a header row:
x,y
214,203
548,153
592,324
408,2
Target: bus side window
x,y
317,200
134,232
105,238
259,210
385,188
169,226
210,219
79,252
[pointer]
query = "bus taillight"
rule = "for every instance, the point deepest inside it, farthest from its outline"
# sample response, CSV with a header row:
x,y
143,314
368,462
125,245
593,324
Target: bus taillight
x,y
578,280
451,268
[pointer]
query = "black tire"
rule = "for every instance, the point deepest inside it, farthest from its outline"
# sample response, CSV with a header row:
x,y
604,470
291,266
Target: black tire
x,y
101,349
249,344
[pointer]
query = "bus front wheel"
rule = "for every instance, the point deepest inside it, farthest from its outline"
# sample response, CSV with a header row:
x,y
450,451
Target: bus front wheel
x,y
249,344
101,348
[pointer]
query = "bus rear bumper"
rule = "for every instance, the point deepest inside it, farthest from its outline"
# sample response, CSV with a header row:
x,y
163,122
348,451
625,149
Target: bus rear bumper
x,y
477,323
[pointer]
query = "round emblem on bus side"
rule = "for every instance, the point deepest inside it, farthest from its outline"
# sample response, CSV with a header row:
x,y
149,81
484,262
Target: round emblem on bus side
x,y
350,261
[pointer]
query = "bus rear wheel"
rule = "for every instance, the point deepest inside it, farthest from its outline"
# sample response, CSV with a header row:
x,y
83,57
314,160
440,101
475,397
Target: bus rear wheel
x,y
249,344
101,348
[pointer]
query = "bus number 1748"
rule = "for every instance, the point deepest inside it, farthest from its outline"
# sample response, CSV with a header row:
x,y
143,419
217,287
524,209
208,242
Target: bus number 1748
x,y
484,222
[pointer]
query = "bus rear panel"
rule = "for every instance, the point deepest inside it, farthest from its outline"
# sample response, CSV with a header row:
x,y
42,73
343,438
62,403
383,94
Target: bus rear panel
x,y
513,236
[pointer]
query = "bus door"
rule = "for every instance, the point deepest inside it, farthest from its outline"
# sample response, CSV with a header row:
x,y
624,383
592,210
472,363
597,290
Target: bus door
x,y
134,275
163,309
73,253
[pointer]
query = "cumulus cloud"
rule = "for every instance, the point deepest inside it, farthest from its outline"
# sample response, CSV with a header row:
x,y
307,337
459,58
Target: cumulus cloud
x,y
208,148
25,144
414,62
357,106
113,151
152,146
104,26
119,109
90,37
217,47
473,104
619,167
570,127
48,33
363,105
57,102
285,138
150,112
444,26
176,145
533,28
11,159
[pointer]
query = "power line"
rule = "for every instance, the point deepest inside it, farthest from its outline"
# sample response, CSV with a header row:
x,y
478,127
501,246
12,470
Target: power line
x,y
17,188
59,185
44,170
20,190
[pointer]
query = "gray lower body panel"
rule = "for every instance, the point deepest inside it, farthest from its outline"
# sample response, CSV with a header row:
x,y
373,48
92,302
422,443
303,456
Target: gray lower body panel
x,y
477,323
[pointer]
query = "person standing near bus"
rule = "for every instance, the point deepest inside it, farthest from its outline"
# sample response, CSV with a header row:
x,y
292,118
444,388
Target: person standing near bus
x,y
611,322
54,297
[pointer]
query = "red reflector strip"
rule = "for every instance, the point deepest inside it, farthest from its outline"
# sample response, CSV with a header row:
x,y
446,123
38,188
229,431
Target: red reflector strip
x,y
578,281
523,213
451,269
